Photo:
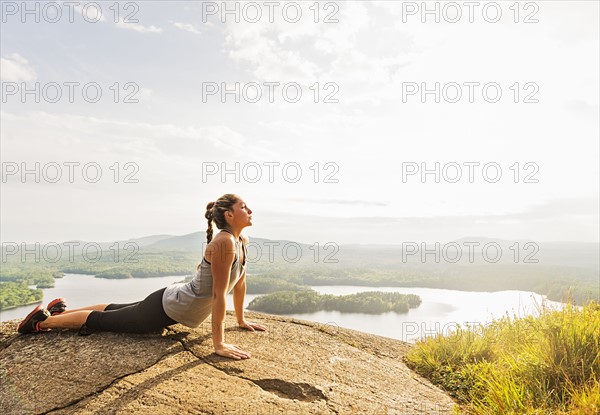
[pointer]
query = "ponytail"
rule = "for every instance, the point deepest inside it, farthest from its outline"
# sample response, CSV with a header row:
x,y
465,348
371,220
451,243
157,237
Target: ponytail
x,y
209,216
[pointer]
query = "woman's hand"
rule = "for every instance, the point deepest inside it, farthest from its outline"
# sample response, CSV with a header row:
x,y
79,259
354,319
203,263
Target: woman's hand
x,y
248,325
232,351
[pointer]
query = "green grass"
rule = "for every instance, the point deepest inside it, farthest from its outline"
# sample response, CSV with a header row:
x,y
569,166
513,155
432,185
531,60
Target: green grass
x,y
549,364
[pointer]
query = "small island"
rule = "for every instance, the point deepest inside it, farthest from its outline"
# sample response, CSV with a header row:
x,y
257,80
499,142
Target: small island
x,y
308,301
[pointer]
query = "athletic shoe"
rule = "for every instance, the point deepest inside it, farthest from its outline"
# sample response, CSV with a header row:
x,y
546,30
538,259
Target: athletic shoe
x,y
56,306
31,324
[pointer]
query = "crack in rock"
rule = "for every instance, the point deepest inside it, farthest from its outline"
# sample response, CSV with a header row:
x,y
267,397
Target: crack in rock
x,y
290,390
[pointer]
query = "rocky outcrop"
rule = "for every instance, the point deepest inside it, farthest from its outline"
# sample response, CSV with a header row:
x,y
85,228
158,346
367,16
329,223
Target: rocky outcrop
x,y
297,367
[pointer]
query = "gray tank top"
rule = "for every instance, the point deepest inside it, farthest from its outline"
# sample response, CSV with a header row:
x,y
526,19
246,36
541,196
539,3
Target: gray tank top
x,y
191,303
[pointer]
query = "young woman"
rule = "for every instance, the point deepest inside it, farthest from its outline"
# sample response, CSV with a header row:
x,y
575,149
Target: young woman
x,y
223,268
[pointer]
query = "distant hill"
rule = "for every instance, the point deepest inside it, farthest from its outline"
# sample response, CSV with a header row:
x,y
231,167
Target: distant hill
x,y
148,240
570,254
197,240
190,242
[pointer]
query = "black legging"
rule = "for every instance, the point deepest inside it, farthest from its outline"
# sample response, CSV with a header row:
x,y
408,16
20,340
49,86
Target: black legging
x,y
141,317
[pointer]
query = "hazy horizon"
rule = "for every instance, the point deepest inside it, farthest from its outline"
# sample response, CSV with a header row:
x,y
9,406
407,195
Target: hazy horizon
x,y
308,242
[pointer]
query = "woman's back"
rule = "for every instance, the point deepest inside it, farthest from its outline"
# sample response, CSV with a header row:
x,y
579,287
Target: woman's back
x,y
190,303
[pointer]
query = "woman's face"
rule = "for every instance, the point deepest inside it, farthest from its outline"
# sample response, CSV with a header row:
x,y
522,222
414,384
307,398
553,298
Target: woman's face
x,y
242,214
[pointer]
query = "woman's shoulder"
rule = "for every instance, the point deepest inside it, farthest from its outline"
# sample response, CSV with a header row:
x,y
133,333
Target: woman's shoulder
x,y
227,241
223,238
220,243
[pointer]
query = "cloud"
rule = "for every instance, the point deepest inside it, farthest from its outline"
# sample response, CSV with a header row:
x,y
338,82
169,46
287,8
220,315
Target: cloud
x,y
188,27
171,159
348,52
92,11
16,68
343,202
269,48
555,220
557,208
82,135
582,107
269,61
139,28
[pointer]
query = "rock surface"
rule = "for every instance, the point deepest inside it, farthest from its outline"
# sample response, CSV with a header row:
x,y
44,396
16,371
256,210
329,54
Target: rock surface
x,y
297,367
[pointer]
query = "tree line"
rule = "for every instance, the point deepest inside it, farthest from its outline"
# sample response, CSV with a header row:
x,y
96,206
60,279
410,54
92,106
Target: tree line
x,y
309,301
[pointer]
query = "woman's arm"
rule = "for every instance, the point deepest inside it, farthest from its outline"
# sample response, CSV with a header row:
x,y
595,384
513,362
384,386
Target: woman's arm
x,y
239,289
239,293
222,260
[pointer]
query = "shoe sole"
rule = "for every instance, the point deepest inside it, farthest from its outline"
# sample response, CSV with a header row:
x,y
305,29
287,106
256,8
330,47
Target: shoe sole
x,y
26,320
54,302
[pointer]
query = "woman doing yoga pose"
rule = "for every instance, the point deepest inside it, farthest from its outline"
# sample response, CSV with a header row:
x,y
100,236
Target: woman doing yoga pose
x,y
223,269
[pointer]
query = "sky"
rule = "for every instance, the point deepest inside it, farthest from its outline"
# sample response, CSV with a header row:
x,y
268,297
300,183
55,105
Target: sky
x,y
345,122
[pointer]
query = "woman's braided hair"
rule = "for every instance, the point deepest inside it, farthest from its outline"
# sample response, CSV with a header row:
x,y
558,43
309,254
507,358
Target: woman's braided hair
x,y
215,212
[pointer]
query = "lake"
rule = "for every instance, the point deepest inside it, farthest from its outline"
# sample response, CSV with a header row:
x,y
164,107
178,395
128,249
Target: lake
x,y
439,312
